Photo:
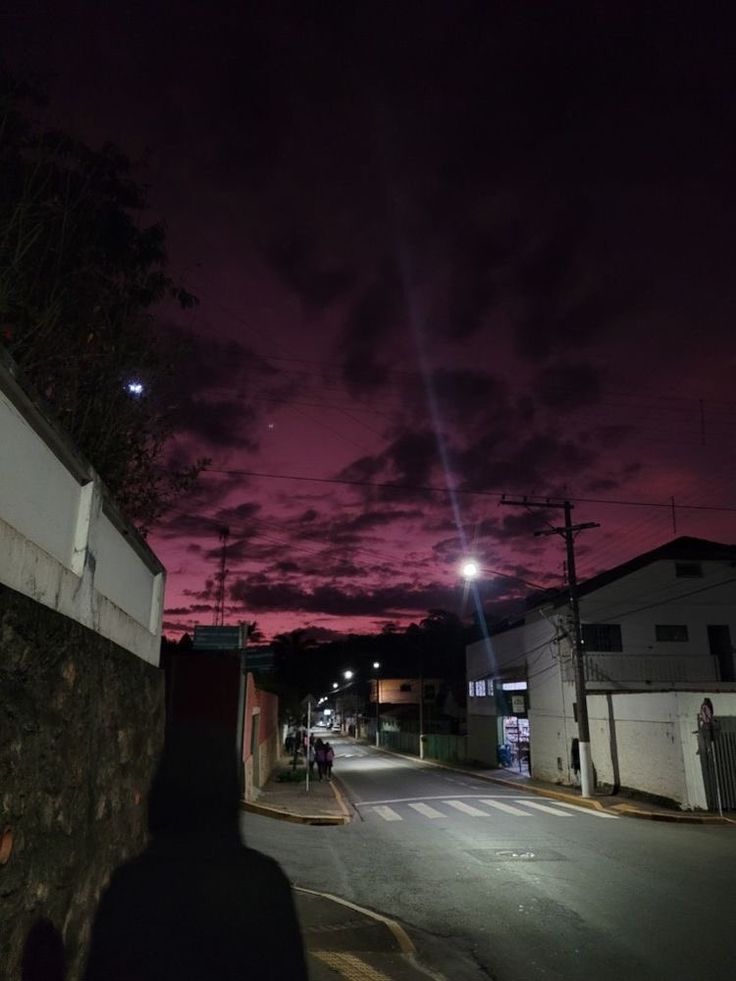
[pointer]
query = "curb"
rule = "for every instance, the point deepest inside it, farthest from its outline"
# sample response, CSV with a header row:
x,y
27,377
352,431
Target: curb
x,y
282,814
406,946
620,810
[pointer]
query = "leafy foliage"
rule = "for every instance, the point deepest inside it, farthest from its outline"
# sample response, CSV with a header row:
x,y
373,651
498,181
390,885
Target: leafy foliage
x,y
79,277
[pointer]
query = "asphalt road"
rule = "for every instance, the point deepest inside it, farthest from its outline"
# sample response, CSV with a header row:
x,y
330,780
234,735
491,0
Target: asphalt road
x,y
495,883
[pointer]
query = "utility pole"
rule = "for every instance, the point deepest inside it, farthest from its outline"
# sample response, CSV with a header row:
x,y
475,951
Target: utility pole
x,y
568,532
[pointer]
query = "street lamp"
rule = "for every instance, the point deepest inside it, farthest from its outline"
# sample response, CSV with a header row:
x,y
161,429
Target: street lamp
x,y
376,668
335,685
470,569
347,675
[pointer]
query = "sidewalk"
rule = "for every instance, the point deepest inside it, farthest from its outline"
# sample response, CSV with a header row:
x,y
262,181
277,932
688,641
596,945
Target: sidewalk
x,y
343,941
291,801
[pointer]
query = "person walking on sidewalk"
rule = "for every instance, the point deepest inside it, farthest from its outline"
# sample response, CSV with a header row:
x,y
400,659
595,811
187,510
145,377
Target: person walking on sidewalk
x,y
311,759
329,757
319,755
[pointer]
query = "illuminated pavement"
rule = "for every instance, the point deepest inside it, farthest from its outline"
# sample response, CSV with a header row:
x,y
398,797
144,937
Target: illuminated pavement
x,y
494,883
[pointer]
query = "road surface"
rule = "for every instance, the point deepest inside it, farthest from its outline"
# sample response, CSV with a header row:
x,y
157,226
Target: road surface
x,y
493,883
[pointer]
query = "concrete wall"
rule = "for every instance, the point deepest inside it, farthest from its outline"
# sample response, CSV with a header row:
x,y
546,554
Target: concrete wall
x,y
645,741
62,541
81,727
261,755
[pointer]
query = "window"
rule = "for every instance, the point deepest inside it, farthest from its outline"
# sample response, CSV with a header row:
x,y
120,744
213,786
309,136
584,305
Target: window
x,y
480,689
405,687
602,637
471,689
672,632
688,570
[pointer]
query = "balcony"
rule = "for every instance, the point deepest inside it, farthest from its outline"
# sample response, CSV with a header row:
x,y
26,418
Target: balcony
x,y
617,669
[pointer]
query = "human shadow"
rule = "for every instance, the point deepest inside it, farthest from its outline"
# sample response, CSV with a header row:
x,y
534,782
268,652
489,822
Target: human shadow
x,y
196,904
43,953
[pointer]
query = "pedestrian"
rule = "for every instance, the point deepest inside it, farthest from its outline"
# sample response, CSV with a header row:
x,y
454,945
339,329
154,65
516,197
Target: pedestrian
x,y
319,755
311,759
329,757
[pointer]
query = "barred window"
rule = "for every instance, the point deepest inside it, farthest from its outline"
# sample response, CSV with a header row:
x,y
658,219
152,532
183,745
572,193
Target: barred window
x,y
602,637
672,632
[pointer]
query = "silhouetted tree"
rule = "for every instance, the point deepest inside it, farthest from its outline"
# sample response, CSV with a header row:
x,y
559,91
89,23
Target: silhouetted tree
x,y
80,274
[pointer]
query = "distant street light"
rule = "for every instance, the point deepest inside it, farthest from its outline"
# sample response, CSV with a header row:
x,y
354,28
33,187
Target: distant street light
x,y
347,675
335,684
470,569
376,665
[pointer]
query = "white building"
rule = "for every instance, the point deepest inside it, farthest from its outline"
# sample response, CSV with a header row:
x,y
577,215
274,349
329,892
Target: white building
x,y
657,634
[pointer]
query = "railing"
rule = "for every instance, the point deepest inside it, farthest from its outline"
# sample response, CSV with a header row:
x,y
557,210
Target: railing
x,y
631,668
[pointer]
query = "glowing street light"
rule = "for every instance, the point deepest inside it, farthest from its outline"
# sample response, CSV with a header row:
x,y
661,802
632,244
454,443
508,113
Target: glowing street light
x,y
135,387
347,675
376,665
335,684
470,569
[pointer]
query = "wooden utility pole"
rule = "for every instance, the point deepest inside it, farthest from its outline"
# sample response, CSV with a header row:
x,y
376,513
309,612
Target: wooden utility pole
x,y
568,532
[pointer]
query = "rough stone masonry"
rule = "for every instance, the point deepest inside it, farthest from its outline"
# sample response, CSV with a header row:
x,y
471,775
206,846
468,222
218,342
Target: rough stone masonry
x,y
81,729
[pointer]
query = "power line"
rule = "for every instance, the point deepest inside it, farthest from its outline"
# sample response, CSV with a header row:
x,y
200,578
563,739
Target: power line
x,y
434,489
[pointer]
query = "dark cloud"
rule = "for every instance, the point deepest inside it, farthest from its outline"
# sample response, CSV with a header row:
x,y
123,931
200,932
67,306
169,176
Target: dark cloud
x,y
329,599
317,284
531,466
370,323
568,387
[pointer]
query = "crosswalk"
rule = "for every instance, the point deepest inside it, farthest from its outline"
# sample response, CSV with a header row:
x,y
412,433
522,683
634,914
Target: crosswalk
x,y
433,808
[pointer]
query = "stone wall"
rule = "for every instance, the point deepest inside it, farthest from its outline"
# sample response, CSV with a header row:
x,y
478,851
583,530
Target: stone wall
x,y
81,728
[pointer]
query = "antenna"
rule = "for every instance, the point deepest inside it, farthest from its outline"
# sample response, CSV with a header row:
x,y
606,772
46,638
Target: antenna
x,y
219,618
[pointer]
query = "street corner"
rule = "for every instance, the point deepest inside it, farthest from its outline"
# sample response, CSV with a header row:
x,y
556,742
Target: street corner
x,y
344,940
289,795
278,813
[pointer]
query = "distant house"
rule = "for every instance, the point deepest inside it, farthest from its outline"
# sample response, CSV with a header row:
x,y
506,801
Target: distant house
x,y
658,636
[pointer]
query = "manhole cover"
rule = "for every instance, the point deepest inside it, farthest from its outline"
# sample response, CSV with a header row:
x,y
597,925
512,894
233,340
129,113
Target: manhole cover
x,y
516,855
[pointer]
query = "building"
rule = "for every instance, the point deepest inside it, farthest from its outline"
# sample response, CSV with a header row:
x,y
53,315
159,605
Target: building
x,y
658,639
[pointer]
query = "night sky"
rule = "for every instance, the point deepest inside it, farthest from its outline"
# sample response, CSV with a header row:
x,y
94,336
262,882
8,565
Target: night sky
x,y
484,247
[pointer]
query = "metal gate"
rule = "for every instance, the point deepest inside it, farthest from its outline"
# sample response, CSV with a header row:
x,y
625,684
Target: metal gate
x,y
717,750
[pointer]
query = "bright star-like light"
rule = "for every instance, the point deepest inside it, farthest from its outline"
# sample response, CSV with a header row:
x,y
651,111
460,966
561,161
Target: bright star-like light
x,y
134,387
348,675
335,684
470,569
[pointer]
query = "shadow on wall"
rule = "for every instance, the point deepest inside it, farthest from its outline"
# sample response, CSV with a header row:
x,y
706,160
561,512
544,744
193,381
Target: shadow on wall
x,y
43,953
197,904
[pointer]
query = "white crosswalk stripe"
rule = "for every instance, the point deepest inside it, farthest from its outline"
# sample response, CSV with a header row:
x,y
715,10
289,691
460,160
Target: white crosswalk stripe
x,y
592,812
427,811
466,808
547,809
387,813
521,807
506,808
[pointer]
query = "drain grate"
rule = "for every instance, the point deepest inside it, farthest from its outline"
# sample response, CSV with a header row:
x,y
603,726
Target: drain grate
x,y
519,854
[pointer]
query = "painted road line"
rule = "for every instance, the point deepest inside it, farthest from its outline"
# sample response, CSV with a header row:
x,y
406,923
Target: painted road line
x,y
506,808
387,814
427,811
466,808
349,966
406,800
546,808
586,810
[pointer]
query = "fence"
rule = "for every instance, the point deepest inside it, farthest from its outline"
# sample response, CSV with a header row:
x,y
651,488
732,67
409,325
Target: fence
x,y
444,748
718,759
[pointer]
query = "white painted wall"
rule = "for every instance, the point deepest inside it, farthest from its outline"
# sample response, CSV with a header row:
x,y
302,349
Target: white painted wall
x,y
62,541
656,741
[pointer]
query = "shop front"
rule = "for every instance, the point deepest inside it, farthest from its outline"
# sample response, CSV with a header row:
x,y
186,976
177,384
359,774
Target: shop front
x,y
512,705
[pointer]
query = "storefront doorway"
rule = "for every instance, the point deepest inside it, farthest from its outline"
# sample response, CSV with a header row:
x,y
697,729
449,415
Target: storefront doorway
x,y
513,750
513,728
